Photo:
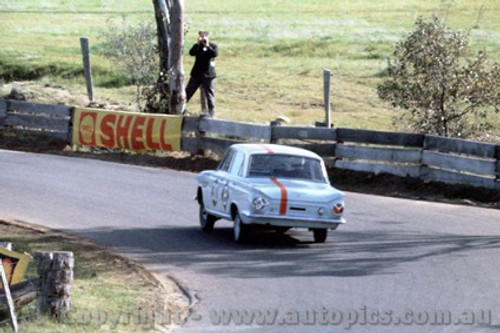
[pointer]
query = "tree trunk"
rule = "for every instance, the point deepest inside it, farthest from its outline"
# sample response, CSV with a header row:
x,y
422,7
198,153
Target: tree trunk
x,y
176,69
162,26
55,270
162,12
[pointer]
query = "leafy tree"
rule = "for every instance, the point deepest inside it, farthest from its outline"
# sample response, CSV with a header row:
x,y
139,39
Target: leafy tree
x,y
444,91
134,51
152,57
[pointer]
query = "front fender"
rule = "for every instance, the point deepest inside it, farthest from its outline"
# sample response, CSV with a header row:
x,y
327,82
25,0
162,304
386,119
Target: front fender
x,y
199,195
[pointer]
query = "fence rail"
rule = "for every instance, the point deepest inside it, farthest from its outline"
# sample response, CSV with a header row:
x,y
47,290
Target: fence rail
x,y
427,157
45,119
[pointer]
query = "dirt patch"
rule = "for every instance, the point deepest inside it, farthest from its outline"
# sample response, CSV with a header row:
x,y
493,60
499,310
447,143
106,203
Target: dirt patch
x,y
346,180
42,92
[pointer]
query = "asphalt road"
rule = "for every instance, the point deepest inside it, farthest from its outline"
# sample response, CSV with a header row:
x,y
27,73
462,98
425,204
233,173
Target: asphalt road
x,y
397,266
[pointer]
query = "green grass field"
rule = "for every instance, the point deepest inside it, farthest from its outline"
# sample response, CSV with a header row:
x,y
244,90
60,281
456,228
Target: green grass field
x,y
272,53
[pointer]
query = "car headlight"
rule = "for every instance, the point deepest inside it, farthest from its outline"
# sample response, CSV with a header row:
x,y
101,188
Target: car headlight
x,y
321,211
259,203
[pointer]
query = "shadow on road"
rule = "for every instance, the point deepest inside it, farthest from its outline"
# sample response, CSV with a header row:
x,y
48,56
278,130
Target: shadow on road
x,y
267,253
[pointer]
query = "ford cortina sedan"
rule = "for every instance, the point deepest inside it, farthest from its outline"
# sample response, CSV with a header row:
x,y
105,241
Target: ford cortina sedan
x,y
278,186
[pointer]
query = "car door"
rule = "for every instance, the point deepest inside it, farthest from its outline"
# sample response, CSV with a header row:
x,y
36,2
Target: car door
x,y
221,179
232,190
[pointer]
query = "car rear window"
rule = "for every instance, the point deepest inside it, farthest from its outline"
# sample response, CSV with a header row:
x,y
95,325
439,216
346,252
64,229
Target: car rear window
x,y
286,166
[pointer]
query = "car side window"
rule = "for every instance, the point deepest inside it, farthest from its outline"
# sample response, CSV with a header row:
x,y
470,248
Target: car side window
x,y
236,166
225,163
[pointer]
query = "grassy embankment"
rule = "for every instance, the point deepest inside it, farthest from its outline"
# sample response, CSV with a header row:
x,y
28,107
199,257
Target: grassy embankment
x,y
272,53
108,292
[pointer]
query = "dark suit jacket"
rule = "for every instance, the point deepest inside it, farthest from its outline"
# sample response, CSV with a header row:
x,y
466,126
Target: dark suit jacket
x,y
204,65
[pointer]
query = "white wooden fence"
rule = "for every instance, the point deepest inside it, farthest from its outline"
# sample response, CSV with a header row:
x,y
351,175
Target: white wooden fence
x,y
431,158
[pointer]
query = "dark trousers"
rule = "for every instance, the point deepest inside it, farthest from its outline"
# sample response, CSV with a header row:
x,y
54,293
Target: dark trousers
x,y
208,85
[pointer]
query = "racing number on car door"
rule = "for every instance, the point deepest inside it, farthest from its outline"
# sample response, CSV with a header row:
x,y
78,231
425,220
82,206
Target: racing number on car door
x,y
214,196
222,188
229,189
220,181
224,196
220,194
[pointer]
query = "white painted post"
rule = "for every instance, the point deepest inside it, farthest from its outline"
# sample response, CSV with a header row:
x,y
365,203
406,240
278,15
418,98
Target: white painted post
x,y
10,303
6,245
326,90
84,43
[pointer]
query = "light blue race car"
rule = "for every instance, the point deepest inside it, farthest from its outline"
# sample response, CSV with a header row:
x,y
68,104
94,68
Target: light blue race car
x,y
278,186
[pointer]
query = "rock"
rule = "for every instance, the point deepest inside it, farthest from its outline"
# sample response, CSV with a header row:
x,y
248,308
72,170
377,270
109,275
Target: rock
x,y
17,94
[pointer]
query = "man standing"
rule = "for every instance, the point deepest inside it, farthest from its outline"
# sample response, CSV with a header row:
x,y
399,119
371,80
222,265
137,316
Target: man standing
x,y
203,71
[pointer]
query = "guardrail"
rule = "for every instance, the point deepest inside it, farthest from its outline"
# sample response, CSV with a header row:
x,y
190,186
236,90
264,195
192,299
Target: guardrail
x,y
430,158
45,119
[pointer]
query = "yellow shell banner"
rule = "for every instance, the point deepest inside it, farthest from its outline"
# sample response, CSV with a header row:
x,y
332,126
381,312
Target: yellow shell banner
x,y
127,130
14,265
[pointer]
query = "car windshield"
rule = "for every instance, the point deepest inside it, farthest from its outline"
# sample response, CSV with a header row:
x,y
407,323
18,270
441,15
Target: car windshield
x,y
286,166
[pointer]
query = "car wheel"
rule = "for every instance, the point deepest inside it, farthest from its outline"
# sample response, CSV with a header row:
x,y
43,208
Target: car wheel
x,y
240,230
207,221
320,235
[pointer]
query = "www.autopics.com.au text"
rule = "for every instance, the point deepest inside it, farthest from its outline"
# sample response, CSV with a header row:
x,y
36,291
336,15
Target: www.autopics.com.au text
x,y
323,316
348,318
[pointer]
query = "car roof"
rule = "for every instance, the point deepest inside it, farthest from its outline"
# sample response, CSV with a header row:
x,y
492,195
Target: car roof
x,y
269,148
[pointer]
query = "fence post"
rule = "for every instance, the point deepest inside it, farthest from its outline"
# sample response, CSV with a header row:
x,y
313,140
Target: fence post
x,y
200,135
277,122
10,303
3,113
326,91
84,43
423,168
69,136
497,169
273,124
6,245
55,270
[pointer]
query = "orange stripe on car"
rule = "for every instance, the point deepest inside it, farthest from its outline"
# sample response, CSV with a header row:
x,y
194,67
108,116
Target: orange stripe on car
x,y
284,196
269,150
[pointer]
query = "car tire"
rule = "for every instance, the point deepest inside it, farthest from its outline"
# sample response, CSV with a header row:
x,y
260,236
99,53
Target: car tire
x,y
320,235
207,221
240,229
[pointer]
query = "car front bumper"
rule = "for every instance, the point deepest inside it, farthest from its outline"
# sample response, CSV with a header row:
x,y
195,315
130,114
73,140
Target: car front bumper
x,y
292,221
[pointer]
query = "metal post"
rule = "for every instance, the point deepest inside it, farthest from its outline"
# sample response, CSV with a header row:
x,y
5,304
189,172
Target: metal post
x,y
326,91
10,303
84,43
